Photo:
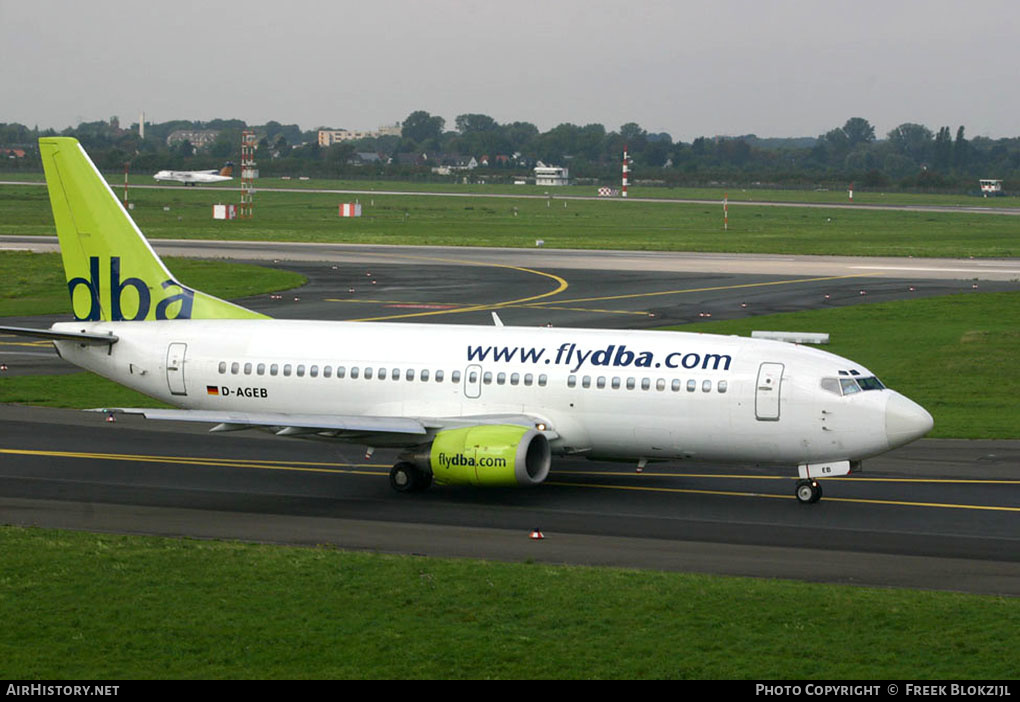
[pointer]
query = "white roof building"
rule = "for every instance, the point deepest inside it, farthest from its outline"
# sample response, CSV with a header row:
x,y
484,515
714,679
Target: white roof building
x,y
551,175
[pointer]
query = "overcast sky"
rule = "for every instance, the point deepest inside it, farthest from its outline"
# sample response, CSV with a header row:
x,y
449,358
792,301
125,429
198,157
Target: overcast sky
x,y
767,67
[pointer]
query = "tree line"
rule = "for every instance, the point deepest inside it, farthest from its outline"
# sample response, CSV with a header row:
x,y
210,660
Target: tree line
x,y
911,156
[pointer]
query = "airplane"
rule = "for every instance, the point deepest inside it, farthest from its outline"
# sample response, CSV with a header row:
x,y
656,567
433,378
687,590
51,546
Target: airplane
x,y
465,405
196,177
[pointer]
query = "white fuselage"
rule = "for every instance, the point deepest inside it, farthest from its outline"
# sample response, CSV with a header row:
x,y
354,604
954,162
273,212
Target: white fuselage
x,y
634,394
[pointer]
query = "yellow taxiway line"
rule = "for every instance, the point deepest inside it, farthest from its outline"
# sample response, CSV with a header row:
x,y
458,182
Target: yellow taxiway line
x,y
373,470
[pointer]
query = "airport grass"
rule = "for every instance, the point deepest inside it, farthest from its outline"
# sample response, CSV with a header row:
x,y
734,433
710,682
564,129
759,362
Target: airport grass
x,y
77,390
34,283
558,223
107,607
735,193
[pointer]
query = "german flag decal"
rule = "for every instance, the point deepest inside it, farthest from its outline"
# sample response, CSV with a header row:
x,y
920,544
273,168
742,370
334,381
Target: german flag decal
x,y
212,390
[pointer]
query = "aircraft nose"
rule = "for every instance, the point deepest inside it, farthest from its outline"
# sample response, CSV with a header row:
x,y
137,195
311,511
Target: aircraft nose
x,y
905,420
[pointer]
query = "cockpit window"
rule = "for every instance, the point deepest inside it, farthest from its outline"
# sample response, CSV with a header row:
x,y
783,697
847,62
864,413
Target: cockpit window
x,y
849,386
832,385
871,383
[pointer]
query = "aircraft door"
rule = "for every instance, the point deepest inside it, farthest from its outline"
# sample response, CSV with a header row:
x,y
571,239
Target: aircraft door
x,y
175,354
473,381
767,392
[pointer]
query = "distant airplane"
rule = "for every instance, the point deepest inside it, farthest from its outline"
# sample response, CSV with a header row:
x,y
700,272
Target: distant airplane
x,y
468,405
196,177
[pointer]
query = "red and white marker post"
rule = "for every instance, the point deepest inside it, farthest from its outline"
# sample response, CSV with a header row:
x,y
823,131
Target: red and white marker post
x,y
626,168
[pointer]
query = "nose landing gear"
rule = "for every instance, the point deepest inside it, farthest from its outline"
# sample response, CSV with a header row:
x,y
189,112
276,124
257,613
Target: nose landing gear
x,y
808,492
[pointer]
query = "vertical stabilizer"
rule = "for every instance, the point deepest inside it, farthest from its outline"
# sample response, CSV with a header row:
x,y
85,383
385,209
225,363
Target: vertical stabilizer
x,y
112,272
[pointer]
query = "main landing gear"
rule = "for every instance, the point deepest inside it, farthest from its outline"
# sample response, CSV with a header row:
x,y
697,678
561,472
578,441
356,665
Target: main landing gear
x,y
407,477
808,492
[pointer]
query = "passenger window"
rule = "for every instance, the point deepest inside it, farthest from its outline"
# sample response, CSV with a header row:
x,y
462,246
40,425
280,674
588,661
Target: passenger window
x,y
616,382
571,381
425,375
501,379
722,385
395,374
314,371
409,375
223,367
327,371
528,379
286,369
646,383
631,383
542,380
473,377
301,370
515,378
660,384
247,369
692,385
586,381
261,369
368,374
676,385
341,371
706,386
600,383
234,368
274,369
454,378
382,374
487,377
354,372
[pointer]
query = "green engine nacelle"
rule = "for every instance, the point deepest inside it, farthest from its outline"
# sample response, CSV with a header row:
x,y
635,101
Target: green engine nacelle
x,y
490,455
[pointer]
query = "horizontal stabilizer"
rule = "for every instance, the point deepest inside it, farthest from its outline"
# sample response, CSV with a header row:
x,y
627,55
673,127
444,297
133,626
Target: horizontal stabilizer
x,y
90,338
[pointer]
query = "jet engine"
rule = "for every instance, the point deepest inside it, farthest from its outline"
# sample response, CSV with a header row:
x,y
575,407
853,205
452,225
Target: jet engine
x,y
497,455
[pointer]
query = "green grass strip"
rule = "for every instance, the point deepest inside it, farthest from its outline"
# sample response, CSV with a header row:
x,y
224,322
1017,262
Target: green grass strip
x,y
34,283
87,606
584,224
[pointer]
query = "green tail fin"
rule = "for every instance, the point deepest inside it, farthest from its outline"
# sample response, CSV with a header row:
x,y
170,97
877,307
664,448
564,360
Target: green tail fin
x,y
112,272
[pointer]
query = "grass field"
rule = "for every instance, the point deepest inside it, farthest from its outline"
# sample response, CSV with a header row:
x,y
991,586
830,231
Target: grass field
x,y
743,193
87,606
411,219
35,283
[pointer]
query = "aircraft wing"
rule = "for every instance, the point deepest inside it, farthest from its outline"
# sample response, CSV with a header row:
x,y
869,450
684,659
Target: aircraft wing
x,y
394,430
284,423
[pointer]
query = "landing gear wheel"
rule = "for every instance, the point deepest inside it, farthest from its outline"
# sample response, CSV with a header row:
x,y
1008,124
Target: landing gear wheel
x,y
808,492
402,477
406,477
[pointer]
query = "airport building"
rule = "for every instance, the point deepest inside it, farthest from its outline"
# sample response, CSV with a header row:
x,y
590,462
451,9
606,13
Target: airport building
x,y
199,138
328,137
551,175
